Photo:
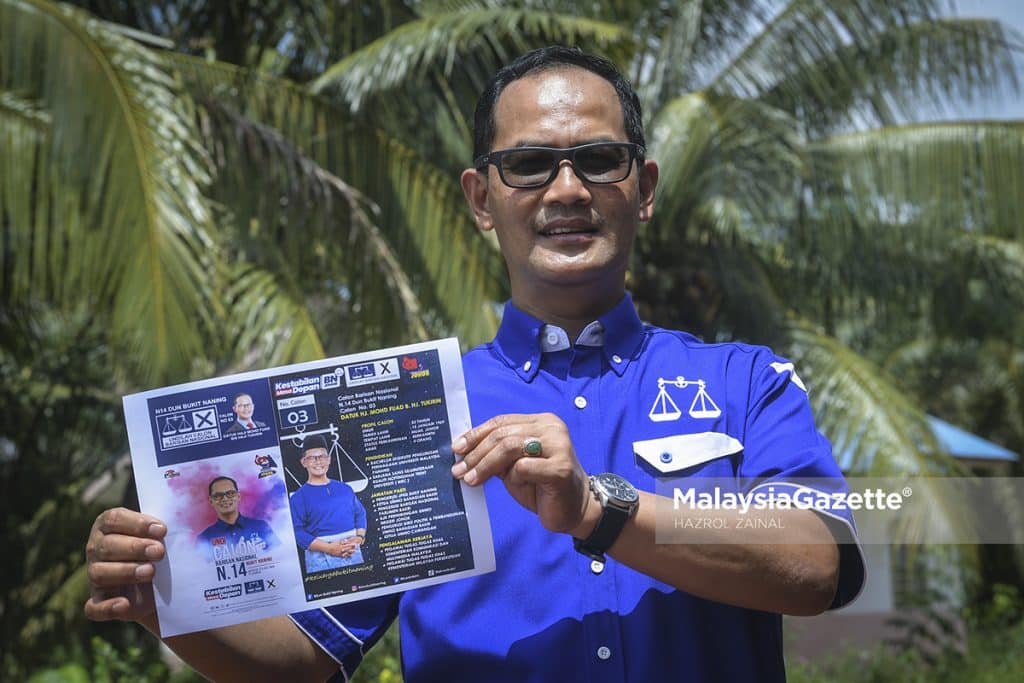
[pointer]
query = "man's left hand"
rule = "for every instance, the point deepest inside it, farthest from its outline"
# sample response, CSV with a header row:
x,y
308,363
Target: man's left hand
x,y
551,484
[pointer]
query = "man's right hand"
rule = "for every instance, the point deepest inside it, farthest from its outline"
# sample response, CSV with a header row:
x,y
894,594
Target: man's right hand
x,y
120,553
340,549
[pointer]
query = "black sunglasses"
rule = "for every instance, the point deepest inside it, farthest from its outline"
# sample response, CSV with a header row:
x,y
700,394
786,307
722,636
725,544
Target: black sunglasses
x,y
530,167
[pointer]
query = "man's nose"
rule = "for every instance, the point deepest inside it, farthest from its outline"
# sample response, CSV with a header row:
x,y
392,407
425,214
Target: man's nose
x,y
567,187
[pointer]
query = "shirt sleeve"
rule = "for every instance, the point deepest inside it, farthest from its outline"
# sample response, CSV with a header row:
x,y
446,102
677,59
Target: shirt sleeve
x,y
300,517
346,632
784,449
358,512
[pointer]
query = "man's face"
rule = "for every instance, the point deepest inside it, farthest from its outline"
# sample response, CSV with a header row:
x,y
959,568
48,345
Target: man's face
x,y
224,498
316,461
243,407
568,231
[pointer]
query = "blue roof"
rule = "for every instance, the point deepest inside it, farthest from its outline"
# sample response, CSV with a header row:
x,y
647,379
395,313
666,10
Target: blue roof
x,y
962,444
959,443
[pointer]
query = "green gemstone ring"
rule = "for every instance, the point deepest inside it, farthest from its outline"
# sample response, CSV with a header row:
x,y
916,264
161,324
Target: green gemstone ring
x,y
532,447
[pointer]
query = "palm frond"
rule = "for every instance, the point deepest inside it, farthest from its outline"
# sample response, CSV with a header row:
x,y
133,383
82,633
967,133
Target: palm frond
x,y
729,159
118,217
874,426
997,261
863,413
267,324
422,220
20,111
24,136
438,41
898,72
673,57
289,220
892,215
959,175
798,50
716,291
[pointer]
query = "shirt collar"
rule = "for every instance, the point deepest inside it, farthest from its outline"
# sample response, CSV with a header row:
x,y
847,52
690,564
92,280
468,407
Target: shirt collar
x,y
239,523
521,338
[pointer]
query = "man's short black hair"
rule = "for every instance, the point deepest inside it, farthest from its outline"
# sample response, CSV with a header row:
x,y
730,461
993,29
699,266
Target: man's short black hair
x,y
221,478
544,59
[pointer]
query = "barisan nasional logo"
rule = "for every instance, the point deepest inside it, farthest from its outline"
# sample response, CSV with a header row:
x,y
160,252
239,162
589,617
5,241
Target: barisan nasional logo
x,y
371,372
665,409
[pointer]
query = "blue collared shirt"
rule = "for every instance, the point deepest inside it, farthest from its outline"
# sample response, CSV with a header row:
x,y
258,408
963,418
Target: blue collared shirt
x,y
549,613
325,510
249,529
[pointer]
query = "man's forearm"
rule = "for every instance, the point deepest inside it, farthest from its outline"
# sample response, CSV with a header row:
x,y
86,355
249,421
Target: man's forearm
x,y
273,649
321,546
791,570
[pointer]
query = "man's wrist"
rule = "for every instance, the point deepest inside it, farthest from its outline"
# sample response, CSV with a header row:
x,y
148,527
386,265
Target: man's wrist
x,y
591,516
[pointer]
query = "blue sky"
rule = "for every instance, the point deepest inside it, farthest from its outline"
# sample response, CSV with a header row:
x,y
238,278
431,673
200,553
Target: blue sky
x,y
1011,13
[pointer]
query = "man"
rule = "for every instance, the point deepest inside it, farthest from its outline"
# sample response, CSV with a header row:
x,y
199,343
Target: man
x,y
330,522
582,591
243,408
231,527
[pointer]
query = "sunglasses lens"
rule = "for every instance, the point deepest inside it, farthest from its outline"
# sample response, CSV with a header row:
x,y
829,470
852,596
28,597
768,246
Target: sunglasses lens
x,y
603,163
536,166
528,167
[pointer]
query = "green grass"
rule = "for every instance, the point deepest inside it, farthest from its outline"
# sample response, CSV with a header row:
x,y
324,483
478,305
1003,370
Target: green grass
x,y
995,654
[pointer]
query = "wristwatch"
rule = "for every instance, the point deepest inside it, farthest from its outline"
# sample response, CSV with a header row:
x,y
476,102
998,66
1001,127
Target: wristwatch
x,y
619,500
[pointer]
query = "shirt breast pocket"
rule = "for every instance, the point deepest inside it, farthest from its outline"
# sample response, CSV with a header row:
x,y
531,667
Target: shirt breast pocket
x,y
707,453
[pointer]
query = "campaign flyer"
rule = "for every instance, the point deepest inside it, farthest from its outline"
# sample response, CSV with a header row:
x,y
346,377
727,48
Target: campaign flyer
x,y
307,485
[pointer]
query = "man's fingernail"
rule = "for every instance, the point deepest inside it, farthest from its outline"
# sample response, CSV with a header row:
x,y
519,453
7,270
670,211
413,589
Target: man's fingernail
x,y
144,571
152,552
470,477
459,469
459,445
157,530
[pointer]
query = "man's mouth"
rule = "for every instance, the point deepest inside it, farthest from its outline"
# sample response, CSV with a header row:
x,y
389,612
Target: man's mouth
x,y
556,228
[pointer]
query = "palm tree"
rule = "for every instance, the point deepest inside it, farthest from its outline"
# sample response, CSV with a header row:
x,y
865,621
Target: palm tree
x,y
168,216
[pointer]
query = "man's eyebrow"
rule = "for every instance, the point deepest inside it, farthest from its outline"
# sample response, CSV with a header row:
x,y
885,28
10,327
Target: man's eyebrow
x,y
543,143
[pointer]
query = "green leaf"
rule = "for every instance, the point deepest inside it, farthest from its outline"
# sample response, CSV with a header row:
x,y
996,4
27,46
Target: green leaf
x,y
119,220
450,270
438,41
875,423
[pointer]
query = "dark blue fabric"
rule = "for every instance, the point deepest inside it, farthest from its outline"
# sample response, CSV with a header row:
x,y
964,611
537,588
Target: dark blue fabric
x,y
322,510
249,529
544,615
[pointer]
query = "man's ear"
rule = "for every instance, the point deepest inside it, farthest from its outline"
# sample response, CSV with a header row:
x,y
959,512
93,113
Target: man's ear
x,y
648,184
474,187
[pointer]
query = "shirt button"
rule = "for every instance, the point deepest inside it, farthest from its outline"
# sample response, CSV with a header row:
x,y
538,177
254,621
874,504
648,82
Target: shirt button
x,y
552,338
597,566
527,365
603,652
617,358
580,402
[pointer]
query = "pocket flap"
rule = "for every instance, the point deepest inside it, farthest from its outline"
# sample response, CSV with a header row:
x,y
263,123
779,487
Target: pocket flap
x,y
682,451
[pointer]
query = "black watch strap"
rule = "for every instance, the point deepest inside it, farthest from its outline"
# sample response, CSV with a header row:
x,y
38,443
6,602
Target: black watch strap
x,y
604,534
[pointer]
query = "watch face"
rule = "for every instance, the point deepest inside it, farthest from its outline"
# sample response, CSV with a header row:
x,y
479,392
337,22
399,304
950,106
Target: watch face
x,y
617,487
